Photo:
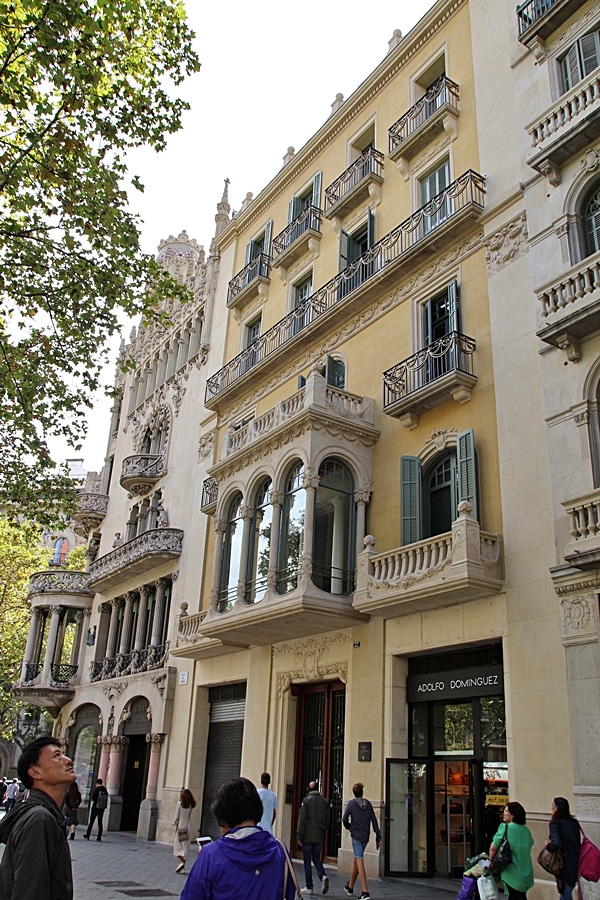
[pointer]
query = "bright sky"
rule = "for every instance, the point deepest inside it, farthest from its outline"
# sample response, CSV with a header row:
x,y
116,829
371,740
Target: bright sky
x,y
270,73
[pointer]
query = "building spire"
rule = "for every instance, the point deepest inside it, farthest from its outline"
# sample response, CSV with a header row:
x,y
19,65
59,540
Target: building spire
x,y
223,210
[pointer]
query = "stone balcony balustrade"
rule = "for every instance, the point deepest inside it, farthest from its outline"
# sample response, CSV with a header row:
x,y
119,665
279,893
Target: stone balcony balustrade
x,y
464,564
583,549
569,126
136,557
570,307
316,404
60,586
90,511
192,644
139,473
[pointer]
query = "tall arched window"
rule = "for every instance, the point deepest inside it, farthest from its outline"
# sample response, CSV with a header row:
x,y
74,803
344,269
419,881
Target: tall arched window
x,y
232,550
291,541
592,222
333,551
259,548
440,495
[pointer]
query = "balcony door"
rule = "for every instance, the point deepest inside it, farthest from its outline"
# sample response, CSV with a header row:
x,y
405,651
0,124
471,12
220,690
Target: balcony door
x,y
438,210
441,315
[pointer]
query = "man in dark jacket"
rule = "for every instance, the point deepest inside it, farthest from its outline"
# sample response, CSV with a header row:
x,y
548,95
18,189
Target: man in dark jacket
x,y
313,822
36,862
99,804
358,817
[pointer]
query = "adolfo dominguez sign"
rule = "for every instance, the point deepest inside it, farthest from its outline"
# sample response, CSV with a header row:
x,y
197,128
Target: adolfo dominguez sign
x,y
482,681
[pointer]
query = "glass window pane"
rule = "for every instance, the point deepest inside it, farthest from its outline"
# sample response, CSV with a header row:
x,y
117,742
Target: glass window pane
x,y
453,728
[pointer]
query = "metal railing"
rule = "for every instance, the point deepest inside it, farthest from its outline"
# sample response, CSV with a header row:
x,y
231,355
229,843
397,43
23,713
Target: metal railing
x,y
210,492
530,12
449,353
62,673
370,162
32,670
308,220
259,266
467,190
442,92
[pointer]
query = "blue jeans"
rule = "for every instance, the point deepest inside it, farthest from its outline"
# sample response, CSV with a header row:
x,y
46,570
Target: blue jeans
x,y
312,852
567,889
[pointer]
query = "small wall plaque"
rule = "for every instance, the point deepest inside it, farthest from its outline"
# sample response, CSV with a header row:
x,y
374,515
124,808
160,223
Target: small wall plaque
x,y
365,751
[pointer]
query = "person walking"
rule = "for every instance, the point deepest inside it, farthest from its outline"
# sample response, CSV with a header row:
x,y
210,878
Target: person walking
x,y
313,822
36,863
181,841
358,818
518,875
269,802
12,792
71,807
246,862
99,804
566,836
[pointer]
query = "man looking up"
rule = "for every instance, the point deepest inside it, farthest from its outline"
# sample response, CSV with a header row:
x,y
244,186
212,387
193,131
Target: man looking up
x,y
36,861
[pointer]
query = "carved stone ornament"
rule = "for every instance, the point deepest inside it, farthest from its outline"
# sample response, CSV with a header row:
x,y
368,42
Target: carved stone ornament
x,y
114,689
160,682
507,244
590,161
206,445
59,582
159,540
578,615
155,739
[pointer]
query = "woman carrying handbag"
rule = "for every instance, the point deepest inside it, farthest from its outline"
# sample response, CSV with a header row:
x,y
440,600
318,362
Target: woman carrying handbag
x,y
181,841
518,874
564,836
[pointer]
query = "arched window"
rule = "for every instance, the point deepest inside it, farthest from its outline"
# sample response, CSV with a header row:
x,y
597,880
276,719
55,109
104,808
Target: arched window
x,y
291,541
591,217
259,548
430,495
232,550
333,551
61,551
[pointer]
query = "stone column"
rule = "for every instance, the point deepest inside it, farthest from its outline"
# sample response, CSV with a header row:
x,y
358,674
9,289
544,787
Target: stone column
x,y
361,498
140,631
51,644
115,767
103,742
220,528
125,643
276,500
111,644
149,807
32,639
246,517
81,650
159,612
77,637
310,482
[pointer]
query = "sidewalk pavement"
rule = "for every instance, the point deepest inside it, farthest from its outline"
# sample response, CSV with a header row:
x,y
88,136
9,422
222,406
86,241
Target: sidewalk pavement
x,y
121,866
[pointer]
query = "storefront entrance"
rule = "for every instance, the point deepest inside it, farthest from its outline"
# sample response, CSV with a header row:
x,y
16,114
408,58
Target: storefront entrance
x,y
443,804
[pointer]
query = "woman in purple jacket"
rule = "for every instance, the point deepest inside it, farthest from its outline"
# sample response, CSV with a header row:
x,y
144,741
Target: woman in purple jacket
x,y
246,863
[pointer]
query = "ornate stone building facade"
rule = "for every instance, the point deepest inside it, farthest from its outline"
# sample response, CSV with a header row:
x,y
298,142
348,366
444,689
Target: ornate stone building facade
x,y
336,535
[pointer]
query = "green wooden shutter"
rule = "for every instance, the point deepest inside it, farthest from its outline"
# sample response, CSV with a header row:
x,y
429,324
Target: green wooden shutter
x,y
267,238
294,209
466,470
316,194
249,252
344,249
453,308
410,499
370,228
588,45
570,67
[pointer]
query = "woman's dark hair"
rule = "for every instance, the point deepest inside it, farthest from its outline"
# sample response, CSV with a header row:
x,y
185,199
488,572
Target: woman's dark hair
x,y
237,801
517,812
187,798
30,757
562,810
73,792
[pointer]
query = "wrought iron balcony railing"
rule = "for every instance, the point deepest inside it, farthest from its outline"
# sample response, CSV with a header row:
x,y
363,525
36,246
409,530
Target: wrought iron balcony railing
x,y
62,673
256,268
452,352
210,492
442,92
370,162
32,670
528,13
468,190
308,220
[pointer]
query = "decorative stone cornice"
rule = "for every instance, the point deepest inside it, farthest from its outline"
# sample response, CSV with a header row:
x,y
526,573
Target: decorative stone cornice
x,y
155,739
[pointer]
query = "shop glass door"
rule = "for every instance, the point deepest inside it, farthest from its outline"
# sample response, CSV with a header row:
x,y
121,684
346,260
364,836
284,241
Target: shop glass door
x,y
407,788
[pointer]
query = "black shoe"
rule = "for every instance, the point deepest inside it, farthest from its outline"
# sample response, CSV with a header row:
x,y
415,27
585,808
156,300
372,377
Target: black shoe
x,y
98,839
71,837
87,837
